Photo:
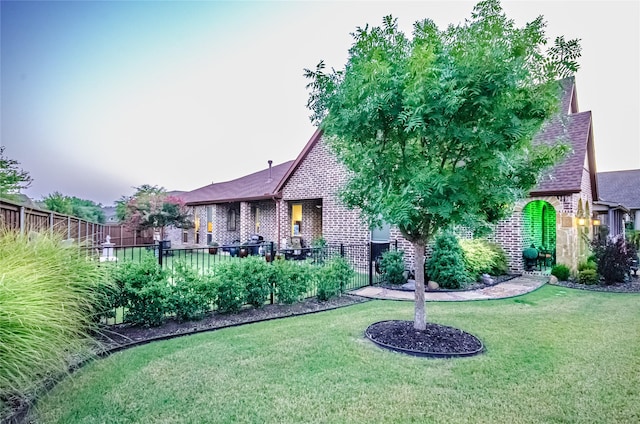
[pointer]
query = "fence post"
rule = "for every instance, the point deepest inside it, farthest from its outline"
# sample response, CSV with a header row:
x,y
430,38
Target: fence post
x,y
370,245
342,250
22,220
272,258
160,251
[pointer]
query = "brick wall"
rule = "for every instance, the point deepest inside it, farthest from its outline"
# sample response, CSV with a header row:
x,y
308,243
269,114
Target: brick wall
x,y
316,182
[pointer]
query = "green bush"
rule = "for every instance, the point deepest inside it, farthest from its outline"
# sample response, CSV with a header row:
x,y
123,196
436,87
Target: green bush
x,y
333,277
50,296
582,266
293,279
446,265
483,257
392,266
561,272
258,277
145,291
588,276
230,287
192,294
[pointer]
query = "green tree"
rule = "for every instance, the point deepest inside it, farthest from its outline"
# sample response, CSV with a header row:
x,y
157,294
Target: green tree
x,y
71,205
437,130
151,207
12,178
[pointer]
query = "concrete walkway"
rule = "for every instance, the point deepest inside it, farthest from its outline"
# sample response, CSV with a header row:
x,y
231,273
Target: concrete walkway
x,y
511,288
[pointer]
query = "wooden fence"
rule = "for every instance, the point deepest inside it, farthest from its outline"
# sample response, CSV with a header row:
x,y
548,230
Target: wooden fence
x,y
26,218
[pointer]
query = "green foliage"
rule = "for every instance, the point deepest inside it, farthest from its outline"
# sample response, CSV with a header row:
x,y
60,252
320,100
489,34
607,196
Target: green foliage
x,y
614,257
145,292
50,296
392,266
192,294
258,277
71,205
483,257
589,264
151,207
293,280
12,178
588,276
561,272
230,287
633,237
446,265
437,130
333,278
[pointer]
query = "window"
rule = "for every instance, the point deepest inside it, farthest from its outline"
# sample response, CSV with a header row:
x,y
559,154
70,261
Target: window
x,y
296,219
231,220
185,236
209,219
257,220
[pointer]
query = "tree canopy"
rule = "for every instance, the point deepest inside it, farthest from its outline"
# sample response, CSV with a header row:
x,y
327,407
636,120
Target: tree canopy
x,y
12,178
437,130
71,205
151,207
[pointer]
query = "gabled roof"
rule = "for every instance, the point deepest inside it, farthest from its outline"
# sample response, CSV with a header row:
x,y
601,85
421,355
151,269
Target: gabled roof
x,y
566,176
257,186
621,187
315,138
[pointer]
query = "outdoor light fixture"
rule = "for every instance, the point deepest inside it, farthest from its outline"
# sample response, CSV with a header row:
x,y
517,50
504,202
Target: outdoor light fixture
x,y
581,221
596,222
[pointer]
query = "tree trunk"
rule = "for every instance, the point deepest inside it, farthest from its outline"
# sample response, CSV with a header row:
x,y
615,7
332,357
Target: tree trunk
x,y
420,315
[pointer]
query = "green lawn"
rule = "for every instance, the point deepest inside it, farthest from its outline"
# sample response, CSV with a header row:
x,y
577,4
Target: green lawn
x,y
553,356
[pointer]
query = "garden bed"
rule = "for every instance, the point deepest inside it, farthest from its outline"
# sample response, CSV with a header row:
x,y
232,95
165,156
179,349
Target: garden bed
x,y
122,336
631,286
474,286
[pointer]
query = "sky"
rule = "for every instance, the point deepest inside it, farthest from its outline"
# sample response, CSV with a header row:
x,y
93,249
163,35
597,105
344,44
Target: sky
x,y
100,97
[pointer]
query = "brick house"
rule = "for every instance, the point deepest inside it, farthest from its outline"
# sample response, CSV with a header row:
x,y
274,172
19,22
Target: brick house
x,y
299,199
619,200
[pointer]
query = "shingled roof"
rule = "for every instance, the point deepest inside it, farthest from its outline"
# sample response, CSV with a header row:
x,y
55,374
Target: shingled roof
x,y
575,129
566,176
257,186
622,187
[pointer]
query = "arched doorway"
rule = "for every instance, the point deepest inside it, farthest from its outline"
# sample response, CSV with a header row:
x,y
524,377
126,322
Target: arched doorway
x,y
539,229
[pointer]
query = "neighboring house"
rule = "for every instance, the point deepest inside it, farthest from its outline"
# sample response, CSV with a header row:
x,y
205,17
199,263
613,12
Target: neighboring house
x,y
619,199
300,199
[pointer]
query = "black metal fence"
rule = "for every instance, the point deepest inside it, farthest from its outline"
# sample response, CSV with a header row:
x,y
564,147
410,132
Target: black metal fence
x,y
361,257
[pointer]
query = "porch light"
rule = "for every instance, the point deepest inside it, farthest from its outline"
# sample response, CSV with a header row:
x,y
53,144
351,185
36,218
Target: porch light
x,y
581,221
596,222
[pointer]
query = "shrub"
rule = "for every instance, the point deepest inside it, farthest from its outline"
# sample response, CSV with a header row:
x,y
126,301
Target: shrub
x,y
192,294
229,287
333,277
483,257
49,298
392,266
144,289
588,265
446,265
588,276
614,257
258,278
293,280
561,272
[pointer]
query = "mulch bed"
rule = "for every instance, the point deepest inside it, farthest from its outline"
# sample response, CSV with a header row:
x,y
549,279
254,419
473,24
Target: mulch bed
x,y
437,341
473,286
121,336
631,286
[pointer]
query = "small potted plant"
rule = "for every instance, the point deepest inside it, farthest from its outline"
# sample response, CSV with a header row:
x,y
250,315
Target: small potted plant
x,y
213,248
